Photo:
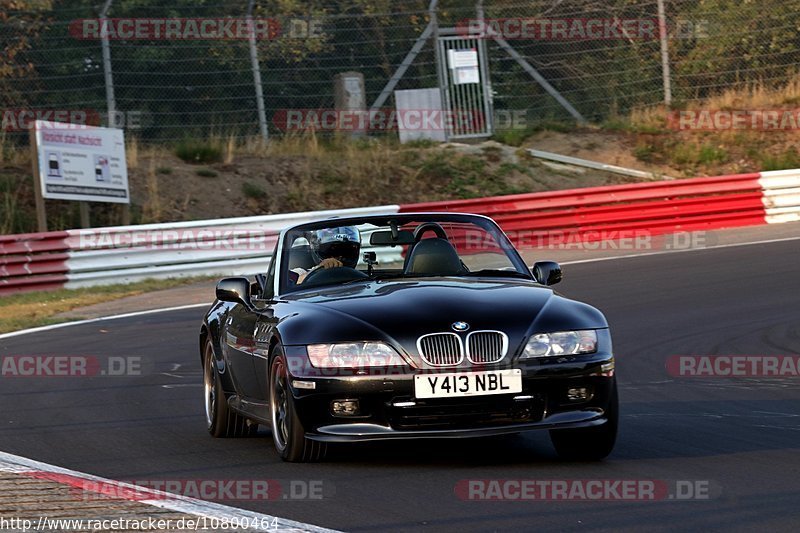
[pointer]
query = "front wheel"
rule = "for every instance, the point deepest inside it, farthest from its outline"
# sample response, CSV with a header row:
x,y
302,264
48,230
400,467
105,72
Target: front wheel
x,y
589,444
287,431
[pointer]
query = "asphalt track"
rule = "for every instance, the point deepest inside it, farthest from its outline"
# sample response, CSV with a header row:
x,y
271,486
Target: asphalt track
x,y
742,436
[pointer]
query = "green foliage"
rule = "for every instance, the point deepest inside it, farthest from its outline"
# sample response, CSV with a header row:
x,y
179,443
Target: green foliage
x,y
206,173
709,154
513,137
692,154
14,217
645,152
517,136
738,42
467,176
251,190
420,143
626,126
782,161
199,152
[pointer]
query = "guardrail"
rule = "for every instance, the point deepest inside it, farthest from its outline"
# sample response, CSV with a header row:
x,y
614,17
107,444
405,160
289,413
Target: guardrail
x,y
658,207
781,195
78,258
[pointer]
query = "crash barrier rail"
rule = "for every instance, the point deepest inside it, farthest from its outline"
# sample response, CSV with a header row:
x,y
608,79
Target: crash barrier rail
x,y
781,199
77,258
596,212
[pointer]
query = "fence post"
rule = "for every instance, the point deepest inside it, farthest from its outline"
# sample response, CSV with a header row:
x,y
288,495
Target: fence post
x,y
665,74
251,38
111,104
109,77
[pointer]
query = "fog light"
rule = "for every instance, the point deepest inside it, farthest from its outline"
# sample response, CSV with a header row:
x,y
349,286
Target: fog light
x,y
344,407
578,394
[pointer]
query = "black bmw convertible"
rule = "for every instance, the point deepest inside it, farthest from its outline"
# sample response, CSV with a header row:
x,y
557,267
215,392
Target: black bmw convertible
x,y
405,326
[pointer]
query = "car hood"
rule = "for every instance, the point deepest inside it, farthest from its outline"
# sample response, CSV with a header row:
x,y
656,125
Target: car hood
x,y
400,311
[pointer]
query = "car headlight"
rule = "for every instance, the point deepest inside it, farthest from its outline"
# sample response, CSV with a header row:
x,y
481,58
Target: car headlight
x,y
353,355
561,343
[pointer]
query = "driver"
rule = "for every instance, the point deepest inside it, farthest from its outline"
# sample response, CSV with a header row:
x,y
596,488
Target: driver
x,y
331,248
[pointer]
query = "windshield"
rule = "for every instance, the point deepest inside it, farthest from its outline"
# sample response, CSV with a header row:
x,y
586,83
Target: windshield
x,y
339,252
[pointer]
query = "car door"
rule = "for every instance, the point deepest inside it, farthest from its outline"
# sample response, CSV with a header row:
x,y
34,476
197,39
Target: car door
x,y
265,324
243,328
239,344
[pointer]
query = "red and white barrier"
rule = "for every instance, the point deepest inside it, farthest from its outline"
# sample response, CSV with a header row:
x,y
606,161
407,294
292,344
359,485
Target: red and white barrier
x,y
781,199
78,258
658,207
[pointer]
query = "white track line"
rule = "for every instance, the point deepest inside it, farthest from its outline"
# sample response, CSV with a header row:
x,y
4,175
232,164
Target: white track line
x,y
164,500
98,319
576,262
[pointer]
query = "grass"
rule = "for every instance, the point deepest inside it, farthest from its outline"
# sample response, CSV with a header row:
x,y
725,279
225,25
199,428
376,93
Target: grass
x,y
32,309
251,190
516,136
709,155
716,152
152,209
132,153
206,173
782,161
199,152
645,152
315,172
230,149
12,218
756,96
308,171
693,154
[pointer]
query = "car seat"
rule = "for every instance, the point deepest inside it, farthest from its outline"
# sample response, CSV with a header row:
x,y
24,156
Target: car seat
x,y
431,257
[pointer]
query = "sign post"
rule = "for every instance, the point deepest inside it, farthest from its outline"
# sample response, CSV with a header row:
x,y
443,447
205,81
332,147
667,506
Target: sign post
x,y
41,212
80,163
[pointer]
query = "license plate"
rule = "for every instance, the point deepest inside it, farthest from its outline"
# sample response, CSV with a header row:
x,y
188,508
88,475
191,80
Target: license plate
x,y
468,384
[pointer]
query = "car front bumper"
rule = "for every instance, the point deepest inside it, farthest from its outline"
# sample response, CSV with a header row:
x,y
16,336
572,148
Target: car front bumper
x,y
388,408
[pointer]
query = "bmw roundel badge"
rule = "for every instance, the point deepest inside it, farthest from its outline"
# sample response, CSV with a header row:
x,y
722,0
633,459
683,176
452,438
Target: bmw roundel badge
x,y
460,326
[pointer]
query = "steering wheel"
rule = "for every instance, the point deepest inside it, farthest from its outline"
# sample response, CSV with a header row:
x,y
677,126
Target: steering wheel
x,y
429,226
333,275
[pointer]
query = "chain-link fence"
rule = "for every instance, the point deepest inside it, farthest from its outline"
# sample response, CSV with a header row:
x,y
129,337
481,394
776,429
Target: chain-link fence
x,y
189,69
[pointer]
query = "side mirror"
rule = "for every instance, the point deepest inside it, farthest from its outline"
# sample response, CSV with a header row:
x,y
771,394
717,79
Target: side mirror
x,y
547,272
234,290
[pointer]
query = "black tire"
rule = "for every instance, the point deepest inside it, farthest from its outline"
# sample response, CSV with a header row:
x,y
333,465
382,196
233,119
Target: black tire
x,y
288,434
221,420
589,444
